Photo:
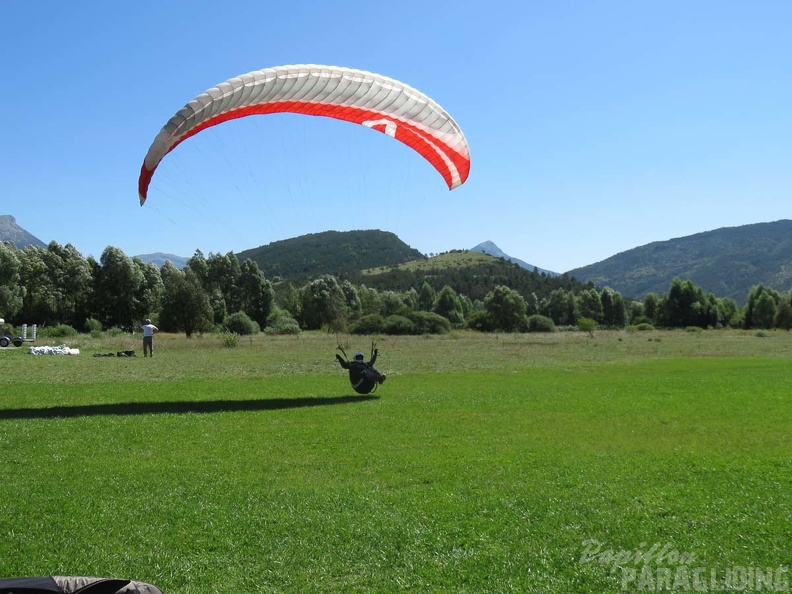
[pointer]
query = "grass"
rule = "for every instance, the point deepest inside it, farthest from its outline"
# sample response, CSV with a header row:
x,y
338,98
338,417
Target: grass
x,y
483,464
445,261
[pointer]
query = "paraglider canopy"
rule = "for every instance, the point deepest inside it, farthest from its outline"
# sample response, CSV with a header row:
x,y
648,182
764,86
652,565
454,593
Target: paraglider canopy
x,y
356,96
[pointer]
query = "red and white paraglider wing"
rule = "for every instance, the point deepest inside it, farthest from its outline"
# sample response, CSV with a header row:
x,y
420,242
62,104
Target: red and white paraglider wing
x,y
356,96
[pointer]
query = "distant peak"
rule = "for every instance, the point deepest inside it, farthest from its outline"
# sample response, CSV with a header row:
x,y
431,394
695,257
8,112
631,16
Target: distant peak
x,y
489,248
10,231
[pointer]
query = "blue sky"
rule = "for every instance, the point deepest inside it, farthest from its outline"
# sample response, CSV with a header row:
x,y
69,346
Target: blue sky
x,y
594,126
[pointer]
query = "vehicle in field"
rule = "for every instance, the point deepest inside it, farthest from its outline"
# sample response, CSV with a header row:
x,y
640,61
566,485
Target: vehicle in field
x,y
7,339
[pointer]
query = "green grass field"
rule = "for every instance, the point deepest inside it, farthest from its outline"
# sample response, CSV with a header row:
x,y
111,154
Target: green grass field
x,y
485,463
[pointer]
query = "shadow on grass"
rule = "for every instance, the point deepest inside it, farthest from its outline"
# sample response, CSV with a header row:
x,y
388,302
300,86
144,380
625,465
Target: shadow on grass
x,y
196,406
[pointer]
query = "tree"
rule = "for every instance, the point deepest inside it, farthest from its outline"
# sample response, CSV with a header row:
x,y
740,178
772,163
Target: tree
x,y
505,309
200,267
410,299
60,284
75,287
650,301
614,314
448,305
754,296
292,302
255,295
426,297
12,291
532,301
686,305
185,304
729,312
116,286
560,307
783,316
218,304
222,272
217,300
391,303
764,311
468,307
635,313
149,294
370,300
323,304
351,298
39,302
590,304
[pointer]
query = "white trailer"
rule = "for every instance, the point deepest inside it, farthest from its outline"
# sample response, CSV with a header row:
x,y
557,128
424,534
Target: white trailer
x,y
6,339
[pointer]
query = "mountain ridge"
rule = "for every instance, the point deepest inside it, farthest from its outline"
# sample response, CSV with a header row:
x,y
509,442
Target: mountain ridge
x,y
10,231
727,262
330,252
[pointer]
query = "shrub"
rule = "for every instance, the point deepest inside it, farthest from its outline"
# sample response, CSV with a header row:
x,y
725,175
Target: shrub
x,y
283,325
538,323
481,321
115,331
240,323
397,324
642,327
638,320
369,324
93,327
587,325
60,331
230,340
427,322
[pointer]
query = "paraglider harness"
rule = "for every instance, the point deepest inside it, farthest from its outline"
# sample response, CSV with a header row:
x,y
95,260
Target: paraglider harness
x,y
74,585
364,385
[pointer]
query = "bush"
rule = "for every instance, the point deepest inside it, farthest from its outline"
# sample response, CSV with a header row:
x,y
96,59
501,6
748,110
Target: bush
x,y
240,323
93,327
587,325
537,323
427,322
230,340
60,331
283,325
115,331
642,327
481,321
369,324
397,324
638,320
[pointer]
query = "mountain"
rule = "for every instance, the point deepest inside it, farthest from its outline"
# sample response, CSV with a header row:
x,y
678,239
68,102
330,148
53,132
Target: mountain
x,y
330,252
726,262
10,231
493,250
159,259
473,274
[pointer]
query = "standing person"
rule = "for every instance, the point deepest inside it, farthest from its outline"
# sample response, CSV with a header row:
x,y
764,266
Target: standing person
x,y
363,377
148,337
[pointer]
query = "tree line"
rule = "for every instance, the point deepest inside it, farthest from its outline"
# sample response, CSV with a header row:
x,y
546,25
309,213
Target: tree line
x,y
56,285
